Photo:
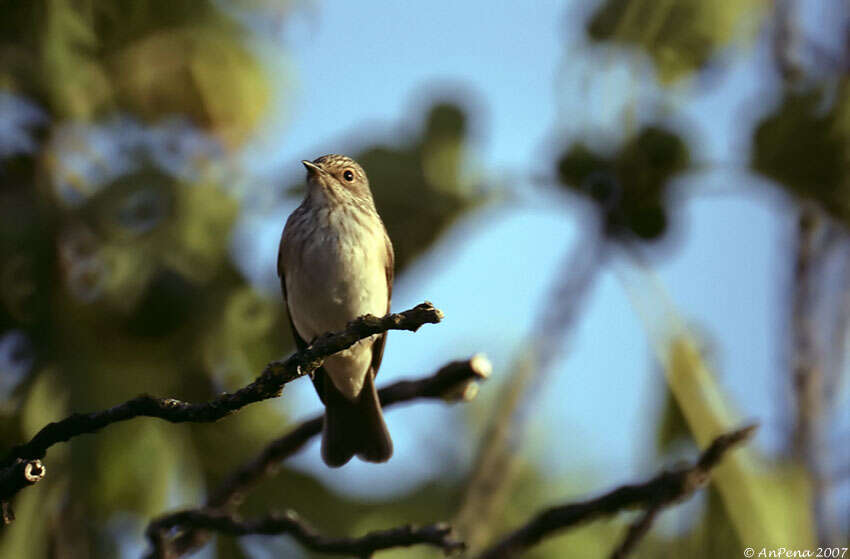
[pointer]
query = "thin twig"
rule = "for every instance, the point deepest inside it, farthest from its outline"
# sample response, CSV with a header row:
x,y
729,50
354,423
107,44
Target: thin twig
x,y
663,490
437,535
456,380
636,532
268,385
808,376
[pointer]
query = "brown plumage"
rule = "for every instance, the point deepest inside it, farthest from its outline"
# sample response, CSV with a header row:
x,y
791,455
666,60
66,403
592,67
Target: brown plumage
x,y
335,263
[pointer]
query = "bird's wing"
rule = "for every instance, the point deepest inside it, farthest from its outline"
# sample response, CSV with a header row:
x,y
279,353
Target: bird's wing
x,y
390,267
281,272
378,346
300,343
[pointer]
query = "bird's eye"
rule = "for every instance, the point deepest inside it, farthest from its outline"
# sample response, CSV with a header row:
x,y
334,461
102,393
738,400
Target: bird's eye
x,y
348,175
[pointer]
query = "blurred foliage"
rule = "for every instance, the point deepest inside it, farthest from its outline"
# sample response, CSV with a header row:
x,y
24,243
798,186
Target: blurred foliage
x,y
116,266
85,58
679,35
804,145
139,295
765,501
630,187
767,504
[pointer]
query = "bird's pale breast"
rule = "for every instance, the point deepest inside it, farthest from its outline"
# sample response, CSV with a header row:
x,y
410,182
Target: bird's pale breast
x,y
340,274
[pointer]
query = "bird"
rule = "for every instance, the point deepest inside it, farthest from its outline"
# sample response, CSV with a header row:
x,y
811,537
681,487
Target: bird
x,y
335,263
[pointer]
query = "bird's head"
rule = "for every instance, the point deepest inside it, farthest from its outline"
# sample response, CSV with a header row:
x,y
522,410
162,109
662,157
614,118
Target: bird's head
x,y
337,176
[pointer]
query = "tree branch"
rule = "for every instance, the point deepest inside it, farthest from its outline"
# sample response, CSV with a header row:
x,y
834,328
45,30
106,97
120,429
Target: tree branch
x,y
437,535
665,489
637,530
22,473
454,381
268,385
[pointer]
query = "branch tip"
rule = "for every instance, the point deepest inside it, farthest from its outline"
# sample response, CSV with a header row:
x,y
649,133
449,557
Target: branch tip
x,y
723,443
481,365
664,490
34,471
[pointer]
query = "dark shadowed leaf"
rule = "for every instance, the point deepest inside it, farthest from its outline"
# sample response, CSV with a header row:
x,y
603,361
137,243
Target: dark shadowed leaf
x,y
631,186
804,146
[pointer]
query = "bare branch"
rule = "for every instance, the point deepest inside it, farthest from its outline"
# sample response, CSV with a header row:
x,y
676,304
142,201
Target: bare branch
x,y
268,385
662,491
454,381
437,535
809,377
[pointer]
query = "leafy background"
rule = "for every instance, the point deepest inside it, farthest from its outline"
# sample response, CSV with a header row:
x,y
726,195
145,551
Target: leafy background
x,y
638,209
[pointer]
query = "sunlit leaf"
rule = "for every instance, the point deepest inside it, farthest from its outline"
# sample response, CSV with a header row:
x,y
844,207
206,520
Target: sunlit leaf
x,y
205,73
76,83
763,513
200,231
680,35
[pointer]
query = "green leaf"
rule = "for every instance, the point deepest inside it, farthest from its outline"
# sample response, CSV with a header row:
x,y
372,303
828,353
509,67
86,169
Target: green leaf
x,y
76,83
680,36
804,146
203,72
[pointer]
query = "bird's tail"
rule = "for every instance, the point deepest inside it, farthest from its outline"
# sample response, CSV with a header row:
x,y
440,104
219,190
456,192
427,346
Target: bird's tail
x,y
354,427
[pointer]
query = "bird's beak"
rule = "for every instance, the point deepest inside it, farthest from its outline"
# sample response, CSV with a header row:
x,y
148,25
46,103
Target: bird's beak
x,y
313,170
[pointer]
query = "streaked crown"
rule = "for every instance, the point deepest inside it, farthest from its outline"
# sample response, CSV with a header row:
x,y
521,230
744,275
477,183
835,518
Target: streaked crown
x,y
337,165
341,173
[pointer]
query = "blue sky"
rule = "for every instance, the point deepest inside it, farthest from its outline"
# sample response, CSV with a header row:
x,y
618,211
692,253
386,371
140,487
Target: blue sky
x,y
354,70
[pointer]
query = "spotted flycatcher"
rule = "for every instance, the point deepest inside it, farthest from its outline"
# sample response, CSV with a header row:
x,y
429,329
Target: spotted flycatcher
x,y
335,263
